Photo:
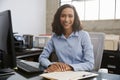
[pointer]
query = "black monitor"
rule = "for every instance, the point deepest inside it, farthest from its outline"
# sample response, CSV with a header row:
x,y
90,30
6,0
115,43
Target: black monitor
x,y
7,49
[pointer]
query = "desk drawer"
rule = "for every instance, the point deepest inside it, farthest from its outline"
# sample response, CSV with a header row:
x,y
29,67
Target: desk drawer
x,y
110,55
114,71
106,60
110,58
113,68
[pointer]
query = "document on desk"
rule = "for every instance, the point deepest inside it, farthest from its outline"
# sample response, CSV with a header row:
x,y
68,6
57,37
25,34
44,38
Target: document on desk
x,y
68,75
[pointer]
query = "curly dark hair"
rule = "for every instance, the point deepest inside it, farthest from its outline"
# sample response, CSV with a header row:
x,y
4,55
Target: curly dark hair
x,y
56,25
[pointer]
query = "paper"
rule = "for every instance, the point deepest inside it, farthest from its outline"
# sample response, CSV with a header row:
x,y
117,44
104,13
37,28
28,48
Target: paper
x,y
68,75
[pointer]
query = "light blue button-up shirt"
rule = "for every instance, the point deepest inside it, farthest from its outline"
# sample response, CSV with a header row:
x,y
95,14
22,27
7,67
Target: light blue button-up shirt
x,y
76,51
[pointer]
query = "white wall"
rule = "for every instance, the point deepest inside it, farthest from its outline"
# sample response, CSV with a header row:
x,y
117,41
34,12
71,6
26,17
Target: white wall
x,y
28,16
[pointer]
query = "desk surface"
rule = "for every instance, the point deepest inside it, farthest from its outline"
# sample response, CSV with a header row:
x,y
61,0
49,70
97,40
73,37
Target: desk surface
x,y
102,76
28,52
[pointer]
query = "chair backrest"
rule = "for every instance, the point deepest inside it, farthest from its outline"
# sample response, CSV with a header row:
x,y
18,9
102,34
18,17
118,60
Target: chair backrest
x,y
97,39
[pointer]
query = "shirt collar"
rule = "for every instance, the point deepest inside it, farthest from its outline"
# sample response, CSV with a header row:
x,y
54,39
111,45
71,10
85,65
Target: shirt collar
x,y
73,34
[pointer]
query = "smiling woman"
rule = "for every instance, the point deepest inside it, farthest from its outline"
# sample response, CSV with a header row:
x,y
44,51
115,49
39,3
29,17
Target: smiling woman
x,y
71,44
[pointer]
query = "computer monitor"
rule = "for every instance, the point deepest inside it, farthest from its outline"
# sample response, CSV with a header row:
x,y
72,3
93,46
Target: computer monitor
x,y
7,49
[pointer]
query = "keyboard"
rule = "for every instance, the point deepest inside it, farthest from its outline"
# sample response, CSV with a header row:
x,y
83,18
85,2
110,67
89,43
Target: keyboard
x,y
26,67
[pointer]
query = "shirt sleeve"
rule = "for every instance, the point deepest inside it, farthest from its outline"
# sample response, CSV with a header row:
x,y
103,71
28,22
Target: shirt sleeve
x,y
88,57
43,58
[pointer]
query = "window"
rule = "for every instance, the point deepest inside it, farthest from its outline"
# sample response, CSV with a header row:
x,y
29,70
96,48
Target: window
x,y
96,9
117,9
80,9
91,8
107,8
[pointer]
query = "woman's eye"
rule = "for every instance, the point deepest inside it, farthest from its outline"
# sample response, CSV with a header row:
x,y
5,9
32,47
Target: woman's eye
x,y
70,16
62,15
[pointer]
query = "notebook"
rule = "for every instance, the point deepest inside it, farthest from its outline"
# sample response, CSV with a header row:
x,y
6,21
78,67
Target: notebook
x,y
68,75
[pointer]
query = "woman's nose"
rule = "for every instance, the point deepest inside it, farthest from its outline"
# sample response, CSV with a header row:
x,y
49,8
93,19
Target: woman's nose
x,y
66,18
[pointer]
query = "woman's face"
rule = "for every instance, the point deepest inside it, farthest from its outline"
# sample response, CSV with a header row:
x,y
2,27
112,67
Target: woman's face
x,y
67,18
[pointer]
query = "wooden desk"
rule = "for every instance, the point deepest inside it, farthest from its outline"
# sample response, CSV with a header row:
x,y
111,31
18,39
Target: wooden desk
x,y
31,55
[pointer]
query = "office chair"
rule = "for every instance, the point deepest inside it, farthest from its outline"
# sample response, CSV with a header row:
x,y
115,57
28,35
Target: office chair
x,y
97,39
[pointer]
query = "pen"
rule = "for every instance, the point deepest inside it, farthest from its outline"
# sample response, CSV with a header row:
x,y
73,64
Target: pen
x,y
86,75
80,77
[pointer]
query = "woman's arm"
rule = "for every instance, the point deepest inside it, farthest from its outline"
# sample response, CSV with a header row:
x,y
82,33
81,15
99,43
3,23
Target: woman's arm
x,y
43,58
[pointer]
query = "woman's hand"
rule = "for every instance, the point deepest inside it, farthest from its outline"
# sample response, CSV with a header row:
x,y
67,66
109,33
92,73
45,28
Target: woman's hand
x,y
58,67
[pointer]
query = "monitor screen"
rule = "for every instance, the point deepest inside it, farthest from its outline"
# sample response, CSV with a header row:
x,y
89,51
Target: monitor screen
x,y
7,49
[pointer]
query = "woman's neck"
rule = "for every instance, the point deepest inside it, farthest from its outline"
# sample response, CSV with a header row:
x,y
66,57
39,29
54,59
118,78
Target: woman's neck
x,y
67,33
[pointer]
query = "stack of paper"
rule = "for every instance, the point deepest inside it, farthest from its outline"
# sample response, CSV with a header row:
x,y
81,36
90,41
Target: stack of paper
x,y
68,75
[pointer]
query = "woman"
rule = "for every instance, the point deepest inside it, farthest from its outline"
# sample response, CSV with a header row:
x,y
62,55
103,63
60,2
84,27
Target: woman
x,y
72,44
